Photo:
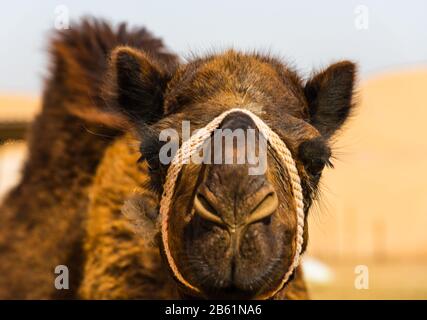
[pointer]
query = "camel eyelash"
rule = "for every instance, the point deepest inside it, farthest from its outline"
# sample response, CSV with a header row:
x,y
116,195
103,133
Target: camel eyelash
x,y
151,168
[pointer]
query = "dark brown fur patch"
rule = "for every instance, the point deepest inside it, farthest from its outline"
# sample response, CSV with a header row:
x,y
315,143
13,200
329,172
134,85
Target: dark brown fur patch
x,y
80,59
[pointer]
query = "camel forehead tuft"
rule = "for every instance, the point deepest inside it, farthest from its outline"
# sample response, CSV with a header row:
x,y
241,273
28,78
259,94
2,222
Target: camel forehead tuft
x,y
234,77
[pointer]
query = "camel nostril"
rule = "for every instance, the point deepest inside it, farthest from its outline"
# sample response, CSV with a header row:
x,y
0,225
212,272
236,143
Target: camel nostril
x,y
234,211
205,209
265,208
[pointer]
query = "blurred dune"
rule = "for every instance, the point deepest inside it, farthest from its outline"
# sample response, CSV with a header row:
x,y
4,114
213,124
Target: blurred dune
x,y
373,207
374,202
18,107
16,112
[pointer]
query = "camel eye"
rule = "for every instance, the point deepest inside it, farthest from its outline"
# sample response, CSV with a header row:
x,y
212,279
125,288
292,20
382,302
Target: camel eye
x,y
315,155
149,150
315,166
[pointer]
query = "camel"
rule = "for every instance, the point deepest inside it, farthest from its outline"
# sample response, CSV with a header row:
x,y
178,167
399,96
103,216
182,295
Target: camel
x,y
231,234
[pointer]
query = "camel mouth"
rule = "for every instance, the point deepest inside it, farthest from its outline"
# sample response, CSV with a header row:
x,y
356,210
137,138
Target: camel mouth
x,y
231,292
239,265
239,285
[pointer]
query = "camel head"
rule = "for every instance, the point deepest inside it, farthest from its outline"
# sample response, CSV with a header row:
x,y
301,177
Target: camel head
x,y
230,232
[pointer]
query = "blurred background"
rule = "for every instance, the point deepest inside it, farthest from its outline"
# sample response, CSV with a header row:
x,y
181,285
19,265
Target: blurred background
x,y
372,212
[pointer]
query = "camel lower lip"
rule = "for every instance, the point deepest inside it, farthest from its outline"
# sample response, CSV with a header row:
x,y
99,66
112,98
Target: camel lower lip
x,y
232,284
230,292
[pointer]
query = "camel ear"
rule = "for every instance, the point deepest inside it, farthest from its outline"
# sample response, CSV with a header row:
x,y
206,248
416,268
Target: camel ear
x,y
135,86
330,97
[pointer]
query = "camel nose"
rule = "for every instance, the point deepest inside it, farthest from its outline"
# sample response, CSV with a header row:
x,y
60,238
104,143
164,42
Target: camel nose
x,y
228,194
232,204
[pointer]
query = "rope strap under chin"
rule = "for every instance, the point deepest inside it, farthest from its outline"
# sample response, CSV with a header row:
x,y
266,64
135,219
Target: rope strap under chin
x,y
183,155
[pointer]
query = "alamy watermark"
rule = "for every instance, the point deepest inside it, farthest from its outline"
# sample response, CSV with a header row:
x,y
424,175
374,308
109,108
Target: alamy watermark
x,y
361,282
238,146
62,279
62,17
361,20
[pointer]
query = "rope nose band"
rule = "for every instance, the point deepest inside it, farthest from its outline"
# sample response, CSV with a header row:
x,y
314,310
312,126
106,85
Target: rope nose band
x,y
183,155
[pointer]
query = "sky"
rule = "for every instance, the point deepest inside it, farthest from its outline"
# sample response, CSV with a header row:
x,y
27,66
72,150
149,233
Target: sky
x,y
379,35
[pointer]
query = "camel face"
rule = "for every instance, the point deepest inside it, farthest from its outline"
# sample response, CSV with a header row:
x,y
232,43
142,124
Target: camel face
x,y
232,233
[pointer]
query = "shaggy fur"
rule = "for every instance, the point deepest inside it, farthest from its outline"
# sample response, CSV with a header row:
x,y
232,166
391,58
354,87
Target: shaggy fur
x,y
120,264
41,220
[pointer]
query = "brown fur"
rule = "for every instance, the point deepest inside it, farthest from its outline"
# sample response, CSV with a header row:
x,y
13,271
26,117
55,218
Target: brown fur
x,y
41,220
120,264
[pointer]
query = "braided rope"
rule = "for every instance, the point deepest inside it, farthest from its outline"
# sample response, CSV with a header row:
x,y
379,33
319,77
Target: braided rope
x,y
183,155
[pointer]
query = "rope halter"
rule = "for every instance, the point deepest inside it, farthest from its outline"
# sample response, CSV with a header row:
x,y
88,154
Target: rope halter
x,y
183,155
